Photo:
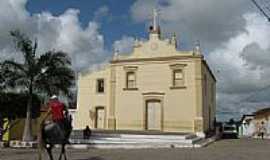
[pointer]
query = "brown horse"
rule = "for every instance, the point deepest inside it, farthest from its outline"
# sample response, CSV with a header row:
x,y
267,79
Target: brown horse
x,y
54,133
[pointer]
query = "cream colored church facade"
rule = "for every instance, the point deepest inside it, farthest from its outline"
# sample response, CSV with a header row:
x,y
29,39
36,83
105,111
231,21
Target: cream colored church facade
x,y
155,88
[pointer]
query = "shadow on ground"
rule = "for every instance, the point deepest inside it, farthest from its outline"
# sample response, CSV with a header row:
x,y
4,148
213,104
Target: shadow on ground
x,y
92,158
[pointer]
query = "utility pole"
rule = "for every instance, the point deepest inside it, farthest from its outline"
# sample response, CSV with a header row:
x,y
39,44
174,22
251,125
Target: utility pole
x,y
262,9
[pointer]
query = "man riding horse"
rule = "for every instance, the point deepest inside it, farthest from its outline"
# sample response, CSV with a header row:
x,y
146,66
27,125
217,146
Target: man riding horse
x,y
58,130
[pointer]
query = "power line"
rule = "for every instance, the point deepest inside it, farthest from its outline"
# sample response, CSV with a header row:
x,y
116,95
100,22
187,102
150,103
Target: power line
x,y
262,10
255,93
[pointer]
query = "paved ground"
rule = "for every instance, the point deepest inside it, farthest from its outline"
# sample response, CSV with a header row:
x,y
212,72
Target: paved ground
x,y
239,149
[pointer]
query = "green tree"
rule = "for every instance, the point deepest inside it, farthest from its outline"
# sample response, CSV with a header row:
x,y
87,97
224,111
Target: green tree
x,y
48,74
2,79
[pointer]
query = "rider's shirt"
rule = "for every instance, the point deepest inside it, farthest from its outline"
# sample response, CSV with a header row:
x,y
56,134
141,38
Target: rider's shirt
x,y
57,109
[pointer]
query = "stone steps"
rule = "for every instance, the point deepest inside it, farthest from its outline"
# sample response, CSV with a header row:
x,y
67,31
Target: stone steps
x,y
133,140
167,137
129,146
78,134
127,141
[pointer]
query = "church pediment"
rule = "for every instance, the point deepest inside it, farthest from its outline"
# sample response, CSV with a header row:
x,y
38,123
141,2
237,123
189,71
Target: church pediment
x,y
154,48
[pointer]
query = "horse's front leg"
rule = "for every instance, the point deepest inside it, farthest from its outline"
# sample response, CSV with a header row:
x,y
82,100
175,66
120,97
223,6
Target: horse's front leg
x,y
63,152
60,157
49,150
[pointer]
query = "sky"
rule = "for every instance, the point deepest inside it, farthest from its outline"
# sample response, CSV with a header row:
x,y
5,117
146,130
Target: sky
x,y
234,36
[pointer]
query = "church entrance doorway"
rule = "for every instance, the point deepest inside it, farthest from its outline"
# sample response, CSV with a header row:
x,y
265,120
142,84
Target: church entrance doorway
x,y
153,115
100,118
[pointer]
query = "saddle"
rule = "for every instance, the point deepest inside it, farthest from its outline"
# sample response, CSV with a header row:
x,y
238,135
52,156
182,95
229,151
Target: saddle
x,y
56,132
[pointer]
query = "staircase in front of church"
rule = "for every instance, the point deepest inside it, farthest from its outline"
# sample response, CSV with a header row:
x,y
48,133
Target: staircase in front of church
x,y
136,139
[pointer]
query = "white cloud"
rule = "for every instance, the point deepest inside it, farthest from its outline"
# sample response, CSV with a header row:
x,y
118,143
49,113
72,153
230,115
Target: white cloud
x,y
236,40
64,32
210,21
124,45
241,61
101,12
239,43
242,67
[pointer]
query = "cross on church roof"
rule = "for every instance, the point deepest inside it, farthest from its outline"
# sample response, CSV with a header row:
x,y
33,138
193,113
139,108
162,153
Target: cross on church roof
x,y
155,26
155,19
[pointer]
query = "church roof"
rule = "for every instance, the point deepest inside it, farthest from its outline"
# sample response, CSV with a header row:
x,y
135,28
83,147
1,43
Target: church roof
x,y
265,112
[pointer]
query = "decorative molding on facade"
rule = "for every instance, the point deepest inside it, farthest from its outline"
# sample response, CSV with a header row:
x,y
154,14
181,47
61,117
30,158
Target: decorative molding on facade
x,y
137,43
153,94
197,48
173,40
178,57
130,89
130,68
177,66
178,87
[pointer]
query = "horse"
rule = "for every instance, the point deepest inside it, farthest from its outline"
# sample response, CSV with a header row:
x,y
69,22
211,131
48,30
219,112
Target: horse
x,y
54,133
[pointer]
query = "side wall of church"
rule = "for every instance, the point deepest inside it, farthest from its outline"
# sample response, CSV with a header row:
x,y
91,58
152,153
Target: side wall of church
x,y
89,99
209,98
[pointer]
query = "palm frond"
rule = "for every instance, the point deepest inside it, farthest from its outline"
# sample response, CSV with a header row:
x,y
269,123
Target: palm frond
x,y
53,58
55,74
25,45
55,80
2,79
50,73
11,65
14,78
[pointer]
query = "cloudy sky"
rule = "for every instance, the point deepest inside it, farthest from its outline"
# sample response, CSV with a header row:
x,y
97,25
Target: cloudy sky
x,y
234,36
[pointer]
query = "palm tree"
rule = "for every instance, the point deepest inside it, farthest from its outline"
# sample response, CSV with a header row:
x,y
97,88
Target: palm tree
x,y
48,74
2,79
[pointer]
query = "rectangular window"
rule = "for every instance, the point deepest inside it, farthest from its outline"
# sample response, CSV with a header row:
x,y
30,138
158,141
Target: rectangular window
x,y
178,78
131,80
100,85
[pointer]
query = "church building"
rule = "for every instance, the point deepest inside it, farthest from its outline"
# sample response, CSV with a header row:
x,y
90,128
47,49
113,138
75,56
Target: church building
x,y
154,88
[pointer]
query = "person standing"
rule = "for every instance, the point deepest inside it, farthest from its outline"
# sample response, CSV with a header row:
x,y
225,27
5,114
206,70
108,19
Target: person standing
x,y
86,132
262,130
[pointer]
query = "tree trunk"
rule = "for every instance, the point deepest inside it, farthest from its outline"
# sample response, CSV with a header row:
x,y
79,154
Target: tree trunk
x,y
27,133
